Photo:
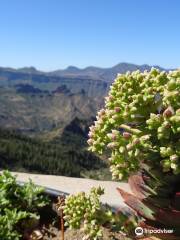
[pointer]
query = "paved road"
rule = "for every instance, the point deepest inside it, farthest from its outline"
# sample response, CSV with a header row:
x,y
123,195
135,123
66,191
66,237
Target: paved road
x,y
74,185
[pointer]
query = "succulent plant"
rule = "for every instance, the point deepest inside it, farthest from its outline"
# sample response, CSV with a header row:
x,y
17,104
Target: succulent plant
x,y
139,128
86,212
156,200
83,209
140,122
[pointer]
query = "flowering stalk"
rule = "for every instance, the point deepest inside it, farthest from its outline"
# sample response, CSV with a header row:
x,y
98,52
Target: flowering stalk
x,y
150,101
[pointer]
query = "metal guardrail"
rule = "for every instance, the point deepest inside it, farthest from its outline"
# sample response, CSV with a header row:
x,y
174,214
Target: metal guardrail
x,y
55,193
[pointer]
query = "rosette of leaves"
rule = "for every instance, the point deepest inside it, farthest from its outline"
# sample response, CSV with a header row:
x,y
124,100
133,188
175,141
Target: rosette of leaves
x,y
139,128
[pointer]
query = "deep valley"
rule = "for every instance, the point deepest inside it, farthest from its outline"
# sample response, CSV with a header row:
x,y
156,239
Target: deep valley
x,y
44,118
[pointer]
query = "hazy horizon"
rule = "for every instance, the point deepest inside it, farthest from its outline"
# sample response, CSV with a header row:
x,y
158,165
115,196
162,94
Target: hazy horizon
x,y
81,68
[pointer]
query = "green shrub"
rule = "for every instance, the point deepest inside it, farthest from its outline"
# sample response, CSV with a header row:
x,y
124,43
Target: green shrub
x,y
19,206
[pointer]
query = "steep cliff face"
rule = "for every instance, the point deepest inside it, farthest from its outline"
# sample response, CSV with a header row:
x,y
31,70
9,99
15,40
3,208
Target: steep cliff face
x,y
42,111
42,81
34,102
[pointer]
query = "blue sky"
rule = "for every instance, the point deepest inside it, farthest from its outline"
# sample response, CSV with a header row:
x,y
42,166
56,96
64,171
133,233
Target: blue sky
x,y
52,34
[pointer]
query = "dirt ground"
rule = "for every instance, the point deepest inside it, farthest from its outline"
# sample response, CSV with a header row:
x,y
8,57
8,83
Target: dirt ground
x,y
78,235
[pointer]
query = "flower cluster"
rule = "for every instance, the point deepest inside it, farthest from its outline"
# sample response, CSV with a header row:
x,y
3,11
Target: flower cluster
x,y
140,122
85,212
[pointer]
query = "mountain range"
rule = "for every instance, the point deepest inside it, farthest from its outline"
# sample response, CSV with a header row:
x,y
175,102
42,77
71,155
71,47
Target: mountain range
x,y
45,117
33,101
104,74
90,72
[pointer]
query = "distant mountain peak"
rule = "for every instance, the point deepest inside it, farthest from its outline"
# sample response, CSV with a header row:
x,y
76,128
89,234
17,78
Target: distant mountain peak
x,y
72,69
30,69
124,64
